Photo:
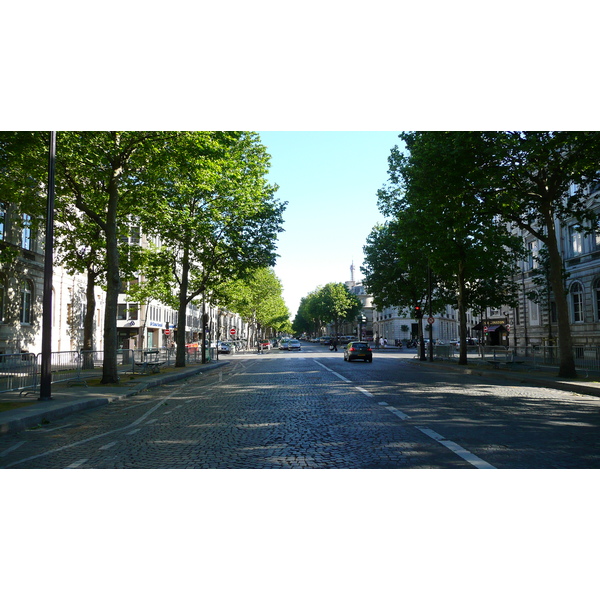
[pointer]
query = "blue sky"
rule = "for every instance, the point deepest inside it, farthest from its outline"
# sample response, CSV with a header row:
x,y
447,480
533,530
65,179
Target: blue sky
x,y
330,181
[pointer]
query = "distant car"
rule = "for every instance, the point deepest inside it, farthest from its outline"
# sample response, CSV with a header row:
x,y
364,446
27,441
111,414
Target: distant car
x,y
224,348
265,344
283,345
294,345
358,350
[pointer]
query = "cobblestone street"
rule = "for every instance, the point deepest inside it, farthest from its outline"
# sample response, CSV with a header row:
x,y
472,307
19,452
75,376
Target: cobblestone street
x,y
313,410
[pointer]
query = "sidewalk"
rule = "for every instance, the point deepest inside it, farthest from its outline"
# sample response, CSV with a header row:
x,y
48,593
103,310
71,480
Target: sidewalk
x,y
69,399
586,383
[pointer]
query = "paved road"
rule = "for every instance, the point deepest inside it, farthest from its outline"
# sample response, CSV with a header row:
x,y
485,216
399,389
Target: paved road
x,y
310,409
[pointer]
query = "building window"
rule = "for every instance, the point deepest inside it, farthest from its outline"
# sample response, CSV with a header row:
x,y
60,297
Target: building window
x,y
26,300
2,292
133,312
597,298
533,312
26,233
2,221
577,302
575,241
121,312
532,255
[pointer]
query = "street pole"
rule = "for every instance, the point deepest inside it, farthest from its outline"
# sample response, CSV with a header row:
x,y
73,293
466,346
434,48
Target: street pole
x,y
203,338
46,376
430,322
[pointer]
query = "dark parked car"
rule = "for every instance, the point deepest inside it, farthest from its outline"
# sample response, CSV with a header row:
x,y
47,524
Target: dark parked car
x,y
358,350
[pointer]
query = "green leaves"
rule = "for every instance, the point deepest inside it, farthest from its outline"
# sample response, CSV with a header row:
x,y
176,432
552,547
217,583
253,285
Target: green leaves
x,y
332,303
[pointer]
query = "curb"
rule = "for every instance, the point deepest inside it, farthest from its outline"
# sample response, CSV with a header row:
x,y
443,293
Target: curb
x,y
38,413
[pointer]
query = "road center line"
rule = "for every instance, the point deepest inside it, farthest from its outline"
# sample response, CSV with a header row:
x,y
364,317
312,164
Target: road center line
x,y
459,450
332,371
11,449
107,446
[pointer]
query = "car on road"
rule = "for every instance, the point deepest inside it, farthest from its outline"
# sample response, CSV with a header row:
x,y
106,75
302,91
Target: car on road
x,y
358,350
294,345
283,345
225,348
265,344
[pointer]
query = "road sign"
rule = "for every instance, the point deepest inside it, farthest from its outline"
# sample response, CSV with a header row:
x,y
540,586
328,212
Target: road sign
x,y
167,331
232,331
485,329
431,320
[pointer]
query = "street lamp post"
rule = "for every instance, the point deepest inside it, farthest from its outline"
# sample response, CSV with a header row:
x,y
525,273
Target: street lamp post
x,y
46,374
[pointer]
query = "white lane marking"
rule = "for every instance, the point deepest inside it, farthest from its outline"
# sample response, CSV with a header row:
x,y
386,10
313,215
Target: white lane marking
x,y
101,435
107,446
459,450
132,432
365,392
332,371
55,428
77,463
11,449
361,390
432,434
398,413
383,404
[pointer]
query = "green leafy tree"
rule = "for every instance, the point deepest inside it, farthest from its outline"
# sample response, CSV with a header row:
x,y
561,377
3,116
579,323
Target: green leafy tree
x,y
307,319
336,304
536,180
217,220
109,176
437,187
258,299
23,184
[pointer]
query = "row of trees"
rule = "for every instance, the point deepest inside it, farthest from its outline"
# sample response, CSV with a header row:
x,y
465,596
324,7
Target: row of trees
x,y
457,204
203,196
331,304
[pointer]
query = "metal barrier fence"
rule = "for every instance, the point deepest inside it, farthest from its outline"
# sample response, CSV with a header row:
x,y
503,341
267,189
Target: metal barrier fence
x,y
18,372
586,357
64,366
21,372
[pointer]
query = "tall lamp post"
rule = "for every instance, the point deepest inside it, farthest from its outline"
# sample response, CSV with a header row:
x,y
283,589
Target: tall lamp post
x,y
46,375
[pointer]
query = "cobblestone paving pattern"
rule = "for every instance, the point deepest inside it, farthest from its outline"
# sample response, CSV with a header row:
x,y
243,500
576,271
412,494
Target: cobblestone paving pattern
x,y
282,411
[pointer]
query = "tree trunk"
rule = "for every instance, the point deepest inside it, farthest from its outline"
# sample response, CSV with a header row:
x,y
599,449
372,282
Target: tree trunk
x,y
462,318
88,323
113,285
565,342
183,291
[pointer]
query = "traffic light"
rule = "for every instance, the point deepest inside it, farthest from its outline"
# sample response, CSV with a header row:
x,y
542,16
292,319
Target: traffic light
x,y
418,312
